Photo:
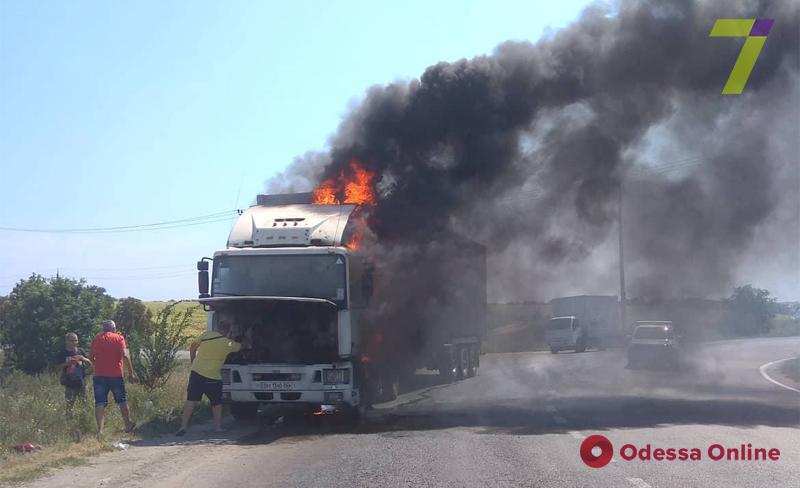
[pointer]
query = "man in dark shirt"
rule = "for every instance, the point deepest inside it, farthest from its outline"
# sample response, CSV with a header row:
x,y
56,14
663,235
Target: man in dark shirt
x,y
72,363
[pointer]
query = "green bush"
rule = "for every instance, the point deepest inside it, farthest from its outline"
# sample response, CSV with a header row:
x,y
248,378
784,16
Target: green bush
x,y
748,312
784,326
131,315
155,346
40,311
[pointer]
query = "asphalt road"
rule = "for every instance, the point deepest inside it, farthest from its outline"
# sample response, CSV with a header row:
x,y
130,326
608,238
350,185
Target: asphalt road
x,y
519,423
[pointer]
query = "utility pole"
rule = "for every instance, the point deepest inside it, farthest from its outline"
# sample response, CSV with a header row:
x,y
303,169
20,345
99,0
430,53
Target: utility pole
x,y
622,299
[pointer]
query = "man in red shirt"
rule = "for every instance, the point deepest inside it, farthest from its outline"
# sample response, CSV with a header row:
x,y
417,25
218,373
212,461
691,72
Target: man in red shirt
x,y
109,350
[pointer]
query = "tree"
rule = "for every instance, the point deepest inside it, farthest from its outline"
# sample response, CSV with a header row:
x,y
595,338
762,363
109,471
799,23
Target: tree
x,y
131,315
749,311
40,311
154,347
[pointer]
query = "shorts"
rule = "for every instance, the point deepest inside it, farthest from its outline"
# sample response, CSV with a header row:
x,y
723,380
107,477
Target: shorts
x,y
199,385
70,394
104,384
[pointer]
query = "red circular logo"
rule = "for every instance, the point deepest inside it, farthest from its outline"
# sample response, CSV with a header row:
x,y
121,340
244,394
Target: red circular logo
x,y
589,447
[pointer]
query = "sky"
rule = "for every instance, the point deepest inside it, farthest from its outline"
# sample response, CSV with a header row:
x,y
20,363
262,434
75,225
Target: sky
x,y
120,114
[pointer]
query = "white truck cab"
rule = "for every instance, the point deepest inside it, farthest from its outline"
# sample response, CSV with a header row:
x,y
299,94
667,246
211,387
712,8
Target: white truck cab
x,y
563,333
583,322
283,284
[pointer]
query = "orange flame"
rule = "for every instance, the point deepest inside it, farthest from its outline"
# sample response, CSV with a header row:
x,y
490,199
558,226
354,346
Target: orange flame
x,y
357,188
355,241
325,193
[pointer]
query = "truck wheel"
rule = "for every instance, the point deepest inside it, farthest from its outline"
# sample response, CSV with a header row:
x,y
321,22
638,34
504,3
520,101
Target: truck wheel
x,y
244,410
394,386
446,371
463,363
387,388
580,346
472,370
355,414
554,350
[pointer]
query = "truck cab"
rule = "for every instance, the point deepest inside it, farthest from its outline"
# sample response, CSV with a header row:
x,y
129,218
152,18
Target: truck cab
x,y
283,283
583,322
565,333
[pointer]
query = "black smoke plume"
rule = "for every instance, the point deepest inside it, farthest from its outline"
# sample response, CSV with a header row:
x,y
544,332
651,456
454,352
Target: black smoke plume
x,y
524,150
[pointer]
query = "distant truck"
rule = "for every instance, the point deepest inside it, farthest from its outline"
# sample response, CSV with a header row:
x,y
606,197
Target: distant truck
x,y
583,322
327,327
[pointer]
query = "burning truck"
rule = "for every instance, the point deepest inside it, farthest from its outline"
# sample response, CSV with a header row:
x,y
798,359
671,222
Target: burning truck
x,y
330,319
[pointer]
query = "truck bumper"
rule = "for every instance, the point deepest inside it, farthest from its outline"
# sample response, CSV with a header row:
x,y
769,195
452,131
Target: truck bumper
x,y
347,396
288,384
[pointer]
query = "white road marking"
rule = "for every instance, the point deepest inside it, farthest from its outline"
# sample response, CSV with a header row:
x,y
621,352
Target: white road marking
x,y
638,482
763,371
575,435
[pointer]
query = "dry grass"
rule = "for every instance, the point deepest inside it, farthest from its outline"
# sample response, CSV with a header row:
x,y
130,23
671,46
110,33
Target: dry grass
x,y
27,467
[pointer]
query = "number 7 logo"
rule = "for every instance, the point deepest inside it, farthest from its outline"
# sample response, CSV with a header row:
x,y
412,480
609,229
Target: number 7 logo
x,y
755,30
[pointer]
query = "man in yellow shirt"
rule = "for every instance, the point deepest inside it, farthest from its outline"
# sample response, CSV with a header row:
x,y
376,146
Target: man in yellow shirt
x,y
208,353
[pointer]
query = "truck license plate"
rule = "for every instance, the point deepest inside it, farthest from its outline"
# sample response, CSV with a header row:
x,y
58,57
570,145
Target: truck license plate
x,y
274,385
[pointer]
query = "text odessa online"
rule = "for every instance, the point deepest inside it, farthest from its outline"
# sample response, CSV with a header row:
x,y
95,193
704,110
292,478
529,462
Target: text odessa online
x,y
715,452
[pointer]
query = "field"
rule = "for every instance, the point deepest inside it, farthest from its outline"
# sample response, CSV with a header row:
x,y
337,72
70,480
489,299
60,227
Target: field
x,y
33,410
198,315
783,326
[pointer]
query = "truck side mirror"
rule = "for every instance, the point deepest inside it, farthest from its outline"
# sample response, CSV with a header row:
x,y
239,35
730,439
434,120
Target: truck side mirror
x,y
202,278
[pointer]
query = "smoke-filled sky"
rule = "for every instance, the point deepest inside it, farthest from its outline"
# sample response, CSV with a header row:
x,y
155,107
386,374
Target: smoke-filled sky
x,y
526,150
125,114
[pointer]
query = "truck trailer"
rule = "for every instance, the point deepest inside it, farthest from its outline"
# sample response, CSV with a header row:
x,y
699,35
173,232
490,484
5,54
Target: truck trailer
x,y
327,326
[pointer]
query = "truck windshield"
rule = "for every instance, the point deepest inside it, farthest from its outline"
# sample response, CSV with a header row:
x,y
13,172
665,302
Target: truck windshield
x,y
559,324
294,275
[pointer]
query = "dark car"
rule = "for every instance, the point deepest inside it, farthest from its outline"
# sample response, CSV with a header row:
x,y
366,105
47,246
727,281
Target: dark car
x,y
654,344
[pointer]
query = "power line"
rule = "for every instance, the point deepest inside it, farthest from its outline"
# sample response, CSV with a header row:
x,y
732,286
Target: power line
x,y
142,277
169,224
189,266
136,268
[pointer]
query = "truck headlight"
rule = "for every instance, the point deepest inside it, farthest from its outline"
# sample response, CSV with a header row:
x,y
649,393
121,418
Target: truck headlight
x,y
335,376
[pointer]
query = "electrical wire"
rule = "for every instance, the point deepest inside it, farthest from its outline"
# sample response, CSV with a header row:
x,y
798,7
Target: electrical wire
x,y
169,224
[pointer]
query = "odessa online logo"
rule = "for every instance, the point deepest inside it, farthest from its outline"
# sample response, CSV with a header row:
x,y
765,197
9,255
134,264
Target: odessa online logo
x,y
755,31
596,451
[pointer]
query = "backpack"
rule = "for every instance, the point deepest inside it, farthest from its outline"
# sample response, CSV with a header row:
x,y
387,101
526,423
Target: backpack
x,y
71,377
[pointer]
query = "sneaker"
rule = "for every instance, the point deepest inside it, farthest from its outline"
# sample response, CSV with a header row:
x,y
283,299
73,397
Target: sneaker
x,y
130,427
180,433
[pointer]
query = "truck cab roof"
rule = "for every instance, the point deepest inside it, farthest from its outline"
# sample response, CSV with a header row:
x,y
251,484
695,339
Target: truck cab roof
x,y
276,223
